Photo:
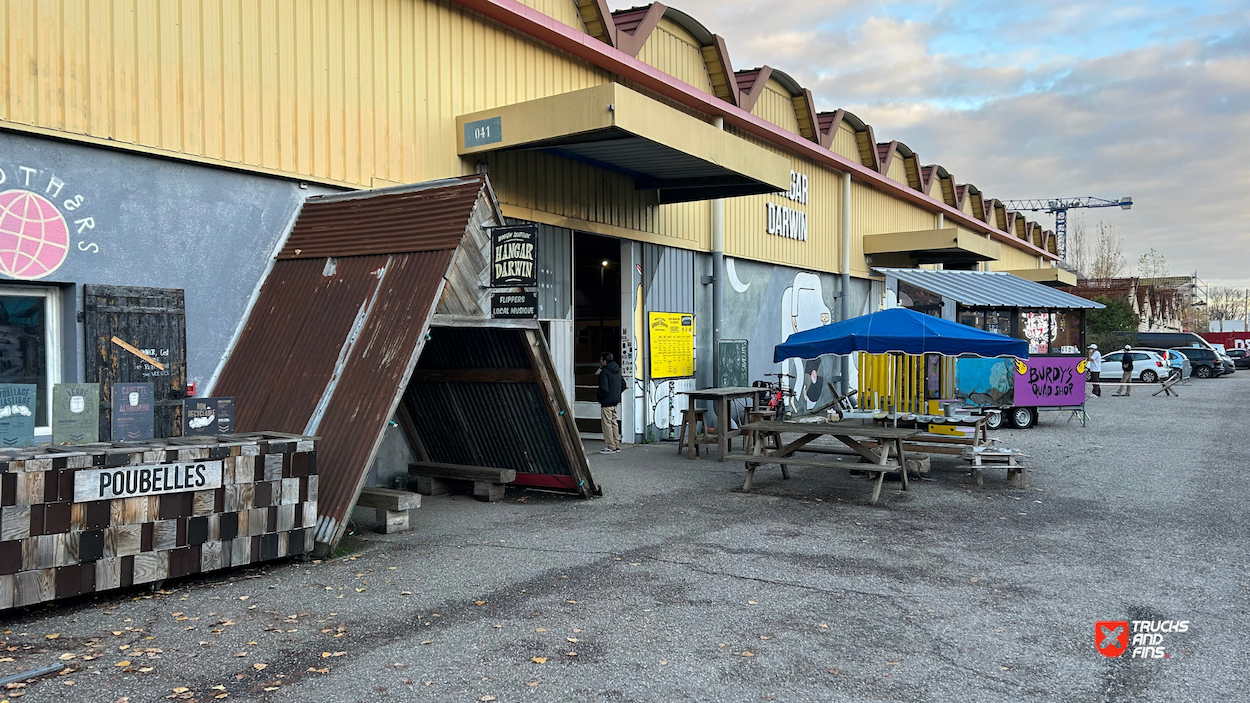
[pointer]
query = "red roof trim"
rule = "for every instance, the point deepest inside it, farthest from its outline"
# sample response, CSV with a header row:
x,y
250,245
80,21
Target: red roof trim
x,y
547,29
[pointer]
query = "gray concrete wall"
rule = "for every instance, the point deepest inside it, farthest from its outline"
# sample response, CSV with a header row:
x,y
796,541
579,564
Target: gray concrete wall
x,y
145,221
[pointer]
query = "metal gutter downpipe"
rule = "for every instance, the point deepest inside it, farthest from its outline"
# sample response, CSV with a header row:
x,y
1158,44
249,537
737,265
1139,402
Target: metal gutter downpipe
x,y
718,272
845,266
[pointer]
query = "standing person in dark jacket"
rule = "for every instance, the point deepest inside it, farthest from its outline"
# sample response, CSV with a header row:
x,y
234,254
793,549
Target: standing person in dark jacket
x,y
1126,376
611,386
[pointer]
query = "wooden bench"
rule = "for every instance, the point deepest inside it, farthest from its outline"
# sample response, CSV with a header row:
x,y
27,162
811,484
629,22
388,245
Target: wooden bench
x,y
754,460
488,483
998,458
391,506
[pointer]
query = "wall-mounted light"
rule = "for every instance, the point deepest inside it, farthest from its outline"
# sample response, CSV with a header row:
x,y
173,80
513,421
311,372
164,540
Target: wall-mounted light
x,y
605,263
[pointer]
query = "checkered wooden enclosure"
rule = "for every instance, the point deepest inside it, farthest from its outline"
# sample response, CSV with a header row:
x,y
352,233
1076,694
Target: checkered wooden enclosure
x,y
52,547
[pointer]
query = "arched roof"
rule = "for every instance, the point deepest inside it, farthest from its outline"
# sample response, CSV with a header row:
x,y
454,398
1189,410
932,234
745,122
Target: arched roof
x,y
700,33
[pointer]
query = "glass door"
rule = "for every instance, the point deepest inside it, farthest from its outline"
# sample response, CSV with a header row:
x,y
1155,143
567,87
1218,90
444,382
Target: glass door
x,y
30,344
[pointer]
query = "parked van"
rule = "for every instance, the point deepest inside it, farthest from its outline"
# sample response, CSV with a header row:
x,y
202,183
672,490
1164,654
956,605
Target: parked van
x,y
1172,340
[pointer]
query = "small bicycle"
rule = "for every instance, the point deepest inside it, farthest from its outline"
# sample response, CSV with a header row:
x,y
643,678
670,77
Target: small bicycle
x,y
779,396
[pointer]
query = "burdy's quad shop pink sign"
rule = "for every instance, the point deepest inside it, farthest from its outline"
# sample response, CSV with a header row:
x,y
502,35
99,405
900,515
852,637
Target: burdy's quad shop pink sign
x,y
1050,380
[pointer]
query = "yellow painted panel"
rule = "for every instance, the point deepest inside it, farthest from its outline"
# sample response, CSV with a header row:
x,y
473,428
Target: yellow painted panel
x,y
564,11
335,90
746,221
776,106
898,170
1012,258
874,212
672,50
844,142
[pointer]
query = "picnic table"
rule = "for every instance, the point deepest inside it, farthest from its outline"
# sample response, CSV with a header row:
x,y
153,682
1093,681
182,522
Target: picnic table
x,y
935,436
849,434
722,397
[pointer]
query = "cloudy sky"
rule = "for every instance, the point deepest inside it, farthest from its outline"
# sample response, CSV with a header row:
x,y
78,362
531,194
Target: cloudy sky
x,y
1040,99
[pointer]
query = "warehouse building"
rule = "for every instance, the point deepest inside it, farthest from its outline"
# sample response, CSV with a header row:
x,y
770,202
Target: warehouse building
x,y
171,145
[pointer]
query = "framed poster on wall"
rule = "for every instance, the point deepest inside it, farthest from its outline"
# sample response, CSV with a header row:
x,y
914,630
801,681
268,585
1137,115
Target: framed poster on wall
x,y
672,344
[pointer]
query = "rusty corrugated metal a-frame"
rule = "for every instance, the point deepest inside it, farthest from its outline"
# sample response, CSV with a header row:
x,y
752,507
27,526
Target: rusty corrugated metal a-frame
x,y
371,288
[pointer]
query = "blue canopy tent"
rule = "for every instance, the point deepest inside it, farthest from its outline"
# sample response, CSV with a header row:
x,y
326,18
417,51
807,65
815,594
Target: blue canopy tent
x,y
902,331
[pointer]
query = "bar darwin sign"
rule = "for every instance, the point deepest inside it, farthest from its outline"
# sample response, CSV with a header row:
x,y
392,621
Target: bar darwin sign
x,y
513,256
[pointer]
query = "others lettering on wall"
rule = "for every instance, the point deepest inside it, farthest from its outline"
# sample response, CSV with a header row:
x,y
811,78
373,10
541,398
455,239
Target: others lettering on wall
x,y
785,221
41,220
506,306
155,479
514,255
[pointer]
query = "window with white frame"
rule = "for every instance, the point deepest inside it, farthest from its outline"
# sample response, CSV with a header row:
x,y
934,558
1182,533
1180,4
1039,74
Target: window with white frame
x,y
30,345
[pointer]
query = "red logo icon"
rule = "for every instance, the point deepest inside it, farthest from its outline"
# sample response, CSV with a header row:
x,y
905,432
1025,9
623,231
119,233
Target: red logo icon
x,y
1111,637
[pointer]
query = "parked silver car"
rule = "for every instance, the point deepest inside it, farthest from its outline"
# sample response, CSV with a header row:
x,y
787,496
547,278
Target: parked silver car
x,y
1176,360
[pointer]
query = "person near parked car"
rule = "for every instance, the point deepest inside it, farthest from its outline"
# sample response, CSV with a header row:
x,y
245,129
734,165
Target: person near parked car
x,y
1126,378
611,386
1095,369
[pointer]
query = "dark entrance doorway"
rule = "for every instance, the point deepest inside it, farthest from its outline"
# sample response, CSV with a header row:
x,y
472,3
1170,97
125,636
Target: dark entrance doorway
x,y
596,318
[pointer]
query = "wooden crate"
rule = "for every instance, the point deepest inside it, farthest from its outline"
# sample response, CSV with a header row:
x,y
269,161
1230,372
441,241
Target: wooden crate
x,y
53,545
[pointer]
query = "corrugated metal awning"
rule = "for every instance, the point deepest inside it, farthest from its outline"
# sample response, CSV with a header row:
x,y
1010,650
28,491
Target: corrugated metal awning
x,y
620,130
989,289
343,318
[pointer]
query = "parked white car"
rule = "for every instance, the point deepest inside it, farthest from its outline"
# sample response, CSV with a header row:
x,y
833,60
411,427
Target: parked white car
x,y
1148,366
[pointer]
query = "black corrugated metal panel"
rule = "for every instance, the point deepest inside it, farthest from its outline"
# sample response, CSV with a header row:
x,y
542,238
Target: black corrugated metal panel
x,y
474,348
499,425
426,217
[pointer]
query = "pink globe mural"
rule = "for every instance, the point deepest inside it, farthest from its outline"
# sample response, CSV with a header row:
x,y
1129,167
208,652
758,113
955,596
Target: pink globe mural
x,y
34,238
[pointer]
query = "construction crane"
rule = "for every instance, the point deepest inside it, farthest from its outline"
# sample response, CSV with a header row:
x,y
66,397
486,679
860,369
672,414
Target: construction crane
x,y
1060,207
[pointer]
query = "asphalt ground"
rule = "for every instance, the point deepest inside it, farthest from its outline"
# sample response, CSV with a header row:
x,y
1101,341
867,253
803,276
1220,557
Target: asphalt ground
x,y
676,586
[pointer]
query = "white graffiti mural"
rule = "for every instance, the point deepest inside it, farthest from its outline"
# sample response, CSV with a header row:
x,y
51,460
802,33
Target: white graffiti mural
x,y
803,308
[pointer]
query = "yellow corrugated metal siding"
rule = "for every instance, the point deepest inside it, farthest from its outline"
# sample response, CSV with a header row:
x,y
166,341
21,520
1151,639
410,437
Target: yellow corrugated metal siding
x,y
775,106
564,11
1013,258
539,181
897,170
672,50
746,221
335,90
874,212
844,142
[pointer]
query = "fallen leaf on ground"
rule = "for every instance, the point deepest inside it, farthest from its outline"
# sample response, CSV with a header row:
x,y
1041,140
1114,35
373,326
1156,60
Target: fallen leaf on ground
x,y
832,671
892,664
571,639
67,656
540,629
53,636
181,689
487,698
539,660
271,688
124,662
479,602
259,666
748,654
751,602
531,683
571,654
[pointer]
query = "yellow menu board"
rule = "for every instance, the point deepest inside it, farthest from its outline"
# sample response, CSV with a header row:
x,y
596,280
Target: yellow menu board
x,y
672,344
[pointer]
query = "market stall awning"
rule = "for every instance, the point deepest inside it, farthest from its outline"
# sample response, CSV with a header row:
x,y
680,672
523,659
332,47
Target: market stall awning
x,y
989,289
902,331
615,128
1047,276
932,246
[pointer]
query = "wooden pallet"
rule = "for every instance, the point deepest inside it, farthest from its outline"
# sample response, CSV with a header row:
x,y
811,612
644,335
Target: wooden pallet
x,y
998,458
